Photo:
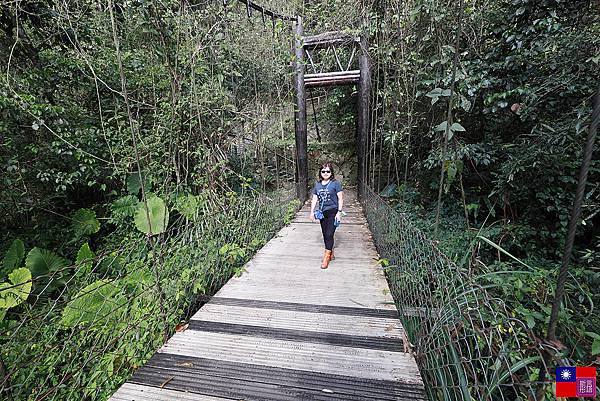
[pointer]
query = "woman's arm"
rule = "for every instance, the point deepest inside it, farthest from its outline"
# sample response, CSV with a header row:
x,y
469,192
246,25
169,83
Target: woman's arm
x,y
340,205
313,204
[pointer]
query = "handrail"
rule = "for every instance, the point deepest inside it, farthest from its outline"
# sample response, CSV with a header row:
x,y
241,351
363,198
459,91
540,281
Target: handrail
x,y
466,342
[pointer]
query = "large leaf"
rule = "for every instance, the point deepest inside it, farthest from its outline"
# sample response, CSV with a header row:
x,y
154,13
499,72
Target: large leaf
x,y
85,223
124,207
134,184
441,126
456,127
152,216
41,261
595,343
84,261
188,206
96,303
13,256
17,289
436,93
596,347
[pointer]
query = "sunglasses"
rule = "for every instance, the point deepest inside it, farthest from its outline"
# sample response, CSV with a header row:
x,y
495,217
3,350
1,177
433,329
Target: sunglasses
x,y
325,171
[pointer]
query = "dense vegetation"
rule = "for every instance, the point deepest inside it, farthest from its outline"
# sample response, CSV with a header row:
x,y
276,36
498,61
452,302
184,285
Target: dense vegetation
x,y
133,156
510,84
135,164
523,75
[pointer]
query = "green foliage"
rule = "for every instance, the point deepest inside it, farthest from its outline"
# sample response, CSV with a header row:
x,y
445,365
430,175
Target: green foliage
x,y
519,117
123,208
292,208
232,253
85,223
152,215
526,73
134,184
189,206
389,191
84,261
43,262
68,150
16,290
13,256
596,343
95,303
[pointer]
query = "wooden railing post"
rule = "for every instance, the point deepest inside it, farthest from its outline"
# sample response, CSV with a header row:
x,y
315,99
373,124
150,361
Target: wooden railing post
x,y
364,90
300,114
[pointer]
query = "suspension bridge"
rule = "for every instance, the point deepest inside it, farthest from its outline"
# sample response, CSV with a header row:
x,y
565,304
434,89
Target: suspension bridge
x,y
287,330
392,318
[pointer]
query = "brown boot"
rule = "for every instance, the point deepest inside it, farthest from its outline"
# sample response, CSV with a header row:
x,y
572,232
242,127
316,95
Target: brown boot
x,y
326,259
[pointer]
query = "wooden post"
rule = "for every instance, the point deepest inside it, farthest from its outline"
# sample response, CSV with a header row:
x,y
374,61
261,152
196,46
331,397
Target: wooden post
x,y
300,115
364,90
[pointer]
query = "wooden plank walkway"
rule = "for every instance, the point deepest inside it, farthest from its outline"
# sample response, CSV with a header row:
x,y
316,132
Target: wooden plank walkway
x,y
287,330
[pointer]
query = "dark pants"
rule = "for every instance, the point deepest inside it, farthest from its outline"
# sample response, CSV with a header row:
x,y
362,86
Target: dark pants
x,y
328,228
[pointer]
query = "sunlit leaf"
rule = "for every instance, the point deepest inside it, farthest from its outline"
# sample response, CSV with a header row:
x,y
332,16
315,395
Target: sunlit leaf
x,y
434,93
94,303
152,216
442,126
17,289
457,127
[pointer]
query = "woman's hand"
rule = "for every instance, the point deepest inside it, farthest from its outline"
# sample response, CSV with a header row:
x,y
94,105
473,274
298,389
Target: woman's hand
x,y
311,216
338,216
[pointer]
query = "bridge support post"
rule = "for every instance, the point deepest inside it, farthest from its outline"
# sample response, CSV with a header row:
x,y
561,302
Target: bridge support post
x,y
300,115
364,90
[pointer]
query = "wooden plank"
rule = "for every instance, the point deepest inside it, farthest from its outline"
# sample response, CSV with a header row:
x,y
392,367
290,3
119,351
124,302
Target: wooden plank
x,y
261,383
137,392
319,322
313,308
331,74
286,330
300,336
316,83
356,362
328,39
316,296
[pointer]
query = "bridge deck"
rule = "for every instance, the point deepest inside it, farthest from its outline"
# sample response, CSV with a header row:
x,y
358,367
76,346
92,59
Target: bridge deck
x,y
287,330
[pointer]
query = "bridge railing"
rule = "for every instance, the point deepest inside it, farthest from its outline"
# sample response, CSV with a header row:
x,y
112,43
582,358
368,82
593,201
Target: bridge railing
x,y
86,326
467,344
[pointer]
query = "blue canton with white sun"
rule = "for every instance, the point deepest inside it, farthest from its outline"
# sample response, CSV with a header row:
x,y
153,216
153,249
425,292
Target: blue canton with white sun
x,y
565,374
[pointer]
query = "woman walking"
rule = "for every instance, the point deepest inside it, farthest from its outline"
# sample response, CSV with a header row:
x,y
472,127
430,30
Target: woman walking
x,y
328,193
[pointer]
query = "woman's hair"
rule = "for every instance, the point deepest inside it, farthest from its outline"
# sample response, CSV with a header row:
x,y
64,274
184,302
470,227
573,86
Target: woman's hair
x,y
324,165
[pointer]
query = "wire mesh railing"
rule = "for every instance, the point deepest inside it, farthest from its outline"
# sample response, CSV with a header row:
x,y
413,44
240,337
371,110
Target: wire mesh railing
x,y
85,326
467,343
